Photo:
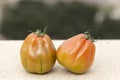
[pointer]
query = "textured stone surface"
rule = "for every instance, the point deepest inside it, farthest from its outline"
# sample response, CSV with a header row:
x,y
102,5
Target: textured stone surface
x,y
106,65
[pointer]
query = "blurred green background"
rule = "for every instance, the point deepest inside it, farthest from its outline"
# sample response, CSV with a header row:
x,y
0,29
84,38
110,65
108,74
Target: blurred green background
x,y
62,19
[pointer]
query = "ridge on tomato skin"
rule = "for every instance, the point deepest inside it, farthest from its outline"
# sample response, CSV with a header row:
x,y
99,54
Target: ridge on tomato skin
x,y
38,53
77,53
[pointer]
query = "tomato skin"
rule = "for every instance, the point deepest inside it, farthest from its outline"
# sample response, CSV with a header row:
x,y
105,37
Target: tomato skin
x,y
37,53
76,53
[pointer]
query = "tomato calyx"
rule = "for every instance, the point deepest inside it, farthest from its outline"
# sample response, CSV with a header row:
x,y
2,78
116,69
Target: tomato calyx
x,y
40,33
88,36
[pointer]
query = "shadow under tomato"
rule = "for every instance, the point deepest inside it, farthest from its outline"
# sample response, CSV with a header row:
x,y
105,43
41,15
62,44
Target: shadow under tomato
x,y
85,73
49,72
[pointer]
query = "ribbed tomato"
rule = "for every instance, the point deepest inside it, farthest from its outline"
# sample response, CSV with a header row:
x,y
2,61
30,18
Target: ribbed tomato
x,y
77,53
38,54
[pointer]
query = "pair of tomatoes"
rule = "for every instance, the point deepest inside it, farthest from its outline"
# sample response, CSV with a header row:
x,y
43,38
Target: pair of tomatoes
x,y
38,53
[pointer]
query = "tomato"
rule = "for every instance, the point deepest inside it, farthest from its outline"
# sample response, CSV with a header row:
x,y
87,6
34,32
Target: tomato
x,y
37,53
76,54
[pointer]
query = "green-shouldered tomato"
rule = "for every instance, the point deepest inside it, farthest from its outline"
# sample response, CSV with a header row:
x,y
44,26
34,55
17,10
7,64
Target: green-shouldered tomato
x,y
37,53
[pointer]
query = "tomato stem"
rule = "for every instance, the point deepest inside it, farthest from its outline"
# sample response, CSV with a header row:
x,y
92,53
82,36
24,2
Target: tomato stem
x,y
88,36
40,33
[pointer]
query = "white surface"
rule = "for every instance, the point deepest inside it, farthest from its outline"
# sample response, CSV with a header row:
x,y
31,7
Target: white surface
x,y
106,64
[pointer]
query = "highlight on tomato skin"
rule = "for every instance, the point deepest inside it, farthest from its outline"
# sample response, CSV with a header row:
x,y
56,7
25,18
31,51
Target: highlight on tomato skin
x,y
77,53
38,53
